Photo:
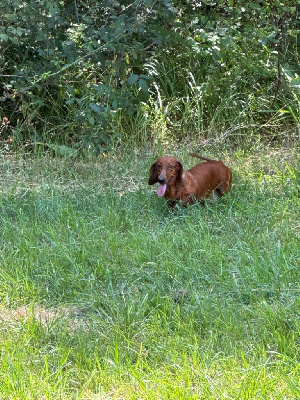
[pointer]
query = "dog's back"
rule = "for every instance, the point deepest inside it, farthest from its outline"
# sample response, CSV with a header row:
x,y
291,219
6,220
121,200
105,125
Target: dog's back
x,y
209,176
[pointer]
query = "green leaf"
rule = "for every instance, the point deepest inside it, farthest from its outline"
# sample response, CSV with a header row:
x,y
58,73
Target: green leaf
x,y
11,17
143,96
295,82
130,109
143,85
132,79
4,36
134,54
95,107
41,52
19,31
147,77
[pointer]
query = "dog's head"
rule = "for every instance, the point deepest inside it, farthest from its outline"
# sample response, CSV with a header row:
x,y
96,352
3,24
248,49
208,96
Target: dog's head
x,y
166,171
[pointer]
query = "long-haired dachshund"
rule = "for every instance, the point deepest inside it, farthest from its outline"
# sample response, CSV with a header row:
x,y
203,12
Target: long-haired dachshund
x,y
191,185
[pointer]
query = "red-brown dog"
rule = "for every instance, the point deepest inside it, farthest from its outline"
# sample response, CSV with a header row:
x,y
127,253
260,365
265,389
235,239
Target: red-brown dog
x,y
197,183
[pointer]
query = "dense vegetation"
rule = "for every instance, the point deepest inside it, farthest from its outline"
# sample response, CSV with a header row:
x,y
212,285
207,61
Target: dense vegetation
x,y
95,72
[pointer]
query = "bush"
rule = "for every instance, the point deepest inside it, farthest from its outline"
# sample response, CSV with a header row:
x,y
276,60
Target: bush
x,y
83,73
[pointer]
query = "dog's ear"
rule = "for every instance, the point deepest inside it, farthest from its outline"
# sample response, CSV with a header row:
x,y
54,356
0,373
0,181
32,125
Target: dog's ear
x,y
153,178
180,171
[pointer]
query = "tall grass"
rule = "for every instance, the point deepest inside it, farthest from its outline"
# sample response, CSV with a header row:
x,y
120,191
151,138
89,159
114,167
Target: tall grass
x,y
107,294
190,96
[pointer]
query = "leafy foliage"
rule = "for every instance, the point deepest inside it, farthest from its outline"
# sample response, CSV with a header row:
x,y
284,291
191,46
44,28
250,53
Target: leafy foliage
x,y
80,72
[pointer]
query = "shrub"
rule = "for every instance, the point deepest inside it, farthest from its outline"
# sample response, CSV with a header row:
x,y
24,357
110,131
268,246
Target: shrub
x,y
81,73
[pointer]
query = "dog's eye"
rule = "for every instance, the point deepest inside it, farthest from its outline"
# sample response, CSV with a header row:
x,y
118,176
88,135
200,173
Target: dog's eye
x,y
170,166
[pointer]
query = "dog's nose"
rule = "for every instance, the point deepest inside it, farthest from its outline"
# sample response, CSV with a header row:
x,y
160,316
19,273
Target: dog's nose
x,y
161,179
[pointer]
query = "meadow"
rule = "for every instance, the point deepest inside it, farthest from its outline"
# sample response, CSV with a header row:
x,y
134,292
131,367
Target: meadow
x,y
105,293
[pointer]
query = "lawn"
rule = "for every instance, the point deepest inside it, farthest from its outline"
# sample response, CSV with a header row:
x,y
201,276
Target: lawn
x,y
108,294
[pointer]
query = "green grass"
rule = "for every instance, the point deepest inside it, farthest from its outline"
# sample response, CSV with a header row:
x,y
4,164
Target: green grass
x,y
107,294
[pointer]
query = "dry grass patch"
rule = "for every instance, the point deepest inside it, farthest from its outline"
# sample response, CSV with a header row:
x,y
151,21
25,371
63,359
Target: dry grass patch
x,y
73,317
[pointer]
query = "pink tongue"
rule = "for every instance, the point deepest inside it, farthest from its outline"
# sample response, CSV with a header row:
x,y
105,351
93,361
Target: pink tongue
x,y
161,190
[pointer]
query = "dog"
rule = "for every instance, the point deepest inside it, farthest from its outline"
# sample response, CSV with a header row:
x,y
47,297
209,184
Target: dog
x,y
188,186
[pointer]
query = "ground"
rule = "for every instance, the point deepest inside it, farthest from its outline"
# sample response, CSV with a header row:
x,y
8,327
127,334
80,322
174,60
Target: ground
x,y
108,294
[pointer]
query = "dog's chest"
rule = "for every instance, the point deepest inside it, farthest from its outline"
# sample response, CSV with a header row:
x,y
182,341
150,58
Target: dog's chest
x,y
182,189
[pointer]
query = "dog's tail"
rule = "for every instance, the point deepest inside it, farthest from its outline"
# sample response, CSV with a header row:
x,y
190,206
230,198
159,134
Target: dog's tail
x,y
201,158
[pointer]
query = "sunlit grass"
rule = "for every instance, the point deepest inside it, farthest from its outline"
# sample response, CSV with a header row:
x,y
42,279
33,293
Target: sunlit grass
x,y
107,294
